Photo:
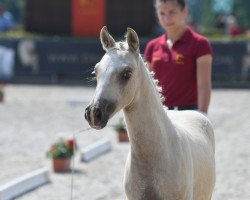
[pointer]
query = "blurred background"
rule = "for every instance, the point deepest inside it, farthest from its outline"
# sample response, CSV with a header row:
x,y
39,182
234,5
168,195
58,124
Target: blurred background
x,y
47,52
58,41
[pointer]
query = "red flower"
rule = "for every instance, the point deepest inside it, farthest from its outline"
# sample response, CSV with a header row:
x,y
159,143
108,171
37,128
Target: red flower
x,y
71,143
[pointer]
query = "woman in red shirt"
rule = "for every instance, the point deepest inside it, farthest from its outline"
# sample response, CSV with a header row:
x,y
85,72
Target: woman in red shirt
x,y
181,59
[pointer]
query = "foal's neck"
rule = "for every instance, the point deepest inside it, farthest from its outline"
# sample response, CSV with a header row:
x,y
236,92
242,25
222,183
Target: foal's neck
x,y
147,120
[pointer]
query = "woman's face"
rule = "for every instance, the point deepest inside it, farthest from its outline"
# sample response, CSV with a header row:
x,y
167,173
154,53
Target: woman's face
x,y
171,16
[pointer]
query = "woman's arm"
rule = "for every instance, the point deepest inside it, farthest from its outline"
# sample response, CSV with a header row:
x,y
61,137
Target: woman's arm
x,y
204,71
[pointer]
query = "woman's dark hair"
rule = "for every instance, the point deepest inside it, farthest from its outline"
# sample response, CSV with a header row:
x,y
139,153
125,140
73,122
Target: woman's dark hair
x,y
181,3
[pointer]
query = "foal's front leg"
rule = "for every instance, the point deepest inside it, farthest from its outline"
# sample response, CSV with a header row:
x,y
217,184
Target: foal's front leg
x,y
132,183
138,186
131,187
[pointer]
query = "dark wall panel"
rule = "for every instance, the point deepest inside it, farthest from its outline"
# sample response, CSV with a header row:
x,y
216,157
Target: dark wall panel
x,y
48,16
138,15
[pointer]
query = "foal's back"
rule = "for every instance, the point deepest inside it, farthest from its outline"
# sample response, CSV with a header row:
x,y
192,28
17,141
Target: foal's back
x,y
194,124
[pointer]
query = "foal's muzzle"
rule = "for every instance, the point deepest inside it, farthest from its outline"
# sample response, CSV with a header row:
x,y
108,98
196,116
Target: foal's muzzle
x,y
97,114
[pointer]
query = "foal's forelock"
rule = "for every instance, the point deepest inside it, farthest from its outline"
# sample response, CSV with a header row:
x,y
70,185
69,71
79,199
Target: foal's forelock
x,y
122,46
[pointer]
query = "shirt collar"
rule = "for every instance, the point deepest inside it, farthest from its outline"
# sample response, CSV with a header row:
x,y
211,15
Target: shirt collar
x,y
186,35
183,38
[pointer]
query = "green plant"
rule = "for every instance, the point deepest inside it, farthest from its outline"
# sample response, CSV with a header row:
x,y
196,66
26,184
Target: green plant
x,y
1,89
62,149
120,126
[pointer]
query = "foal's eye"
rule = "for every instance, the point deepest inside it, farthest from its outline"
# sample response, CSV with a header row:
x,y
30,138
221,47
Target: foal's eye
x,y
126,74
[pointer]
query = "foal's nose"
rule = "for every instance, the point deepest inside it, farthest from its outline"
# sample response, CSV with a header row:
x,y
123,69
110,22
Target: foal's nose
x,y
97,113
94,115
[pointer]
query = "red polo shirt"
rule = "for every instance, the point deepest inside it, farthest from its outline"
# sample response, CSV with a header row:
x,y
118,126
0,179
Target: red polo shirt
x,y
175,67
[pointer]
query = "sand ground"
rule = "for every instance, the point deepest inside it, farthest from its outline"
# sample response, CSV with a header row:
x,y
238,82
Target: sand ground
x,y
33,117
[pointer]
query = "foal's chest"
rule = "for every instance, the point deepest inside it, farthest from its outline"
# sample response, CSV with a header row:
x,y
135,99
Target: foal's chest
x,y
149,193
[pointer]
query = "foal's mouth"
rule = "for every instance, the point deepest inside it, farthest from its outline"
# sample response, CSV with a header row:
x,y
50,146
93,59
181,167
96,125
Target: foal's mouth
x,y
97,125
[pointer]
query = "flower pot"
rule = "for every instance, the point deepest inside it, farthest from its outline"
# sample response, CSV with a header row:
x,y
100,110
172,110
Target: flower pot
x,y
123,137
61,165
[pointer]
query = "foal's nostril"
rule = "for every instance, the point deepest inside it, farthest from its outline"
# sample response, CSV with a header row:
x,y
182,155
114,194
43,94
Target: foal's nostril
x,y
87,112
85,115
98,114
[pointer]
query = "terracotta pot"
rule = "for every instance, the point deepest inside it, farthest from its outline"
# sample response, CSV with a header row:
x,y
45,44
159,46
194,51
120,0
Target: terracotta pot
x,y
123,137
61,165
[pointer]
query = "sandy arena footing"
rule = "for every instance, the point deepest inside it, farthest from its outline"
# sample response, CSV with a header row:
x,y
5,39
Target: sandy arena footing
x,y
33,117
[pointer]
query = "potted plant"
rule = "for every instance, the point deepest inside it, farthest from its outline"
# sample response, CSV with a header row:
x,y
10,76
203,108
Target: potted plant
x,y
121,130
61,153
1,92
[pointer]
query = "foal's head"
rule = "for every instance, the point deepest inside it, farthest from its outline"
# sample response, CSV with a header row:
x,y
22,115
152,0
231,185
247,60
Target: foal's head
x,y
117,77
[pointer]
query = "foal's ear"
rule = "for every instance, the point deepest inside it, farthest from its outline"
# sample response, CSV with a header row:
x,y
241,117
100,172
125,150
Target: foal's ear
x,y
132,40
106,39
